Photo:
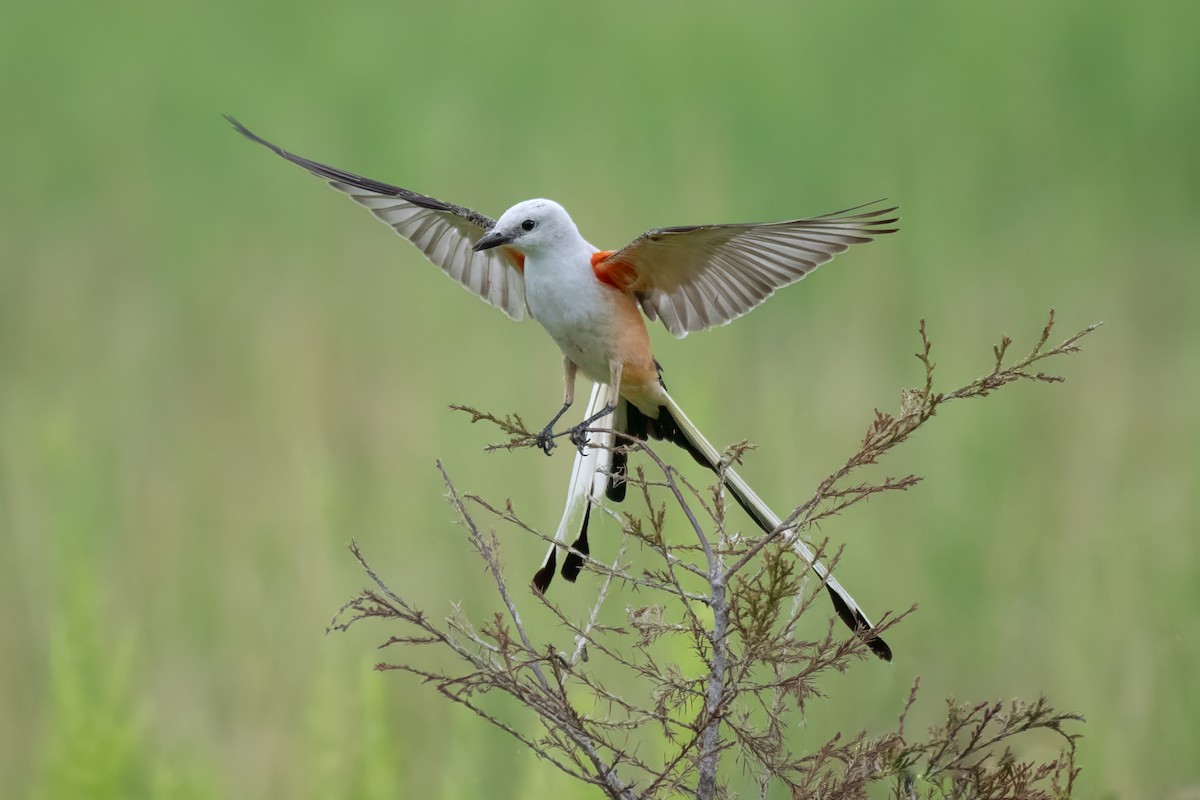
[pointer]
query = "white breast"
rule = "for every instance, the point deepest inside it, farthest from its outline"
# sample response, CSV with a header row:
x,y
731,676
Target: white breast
x,y
565,297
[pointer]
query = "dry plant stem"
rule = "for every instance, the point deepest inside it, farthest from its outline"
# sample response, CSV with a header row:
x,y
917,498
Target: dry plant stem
x,y
584,636
714,696
605,771
659,542
491,558
706,788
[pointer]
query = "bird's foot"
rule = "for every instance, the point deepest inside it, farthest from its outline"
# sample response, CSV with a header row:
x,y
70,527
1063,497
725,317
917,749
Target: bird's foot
x,y
579,432
545,440
579,437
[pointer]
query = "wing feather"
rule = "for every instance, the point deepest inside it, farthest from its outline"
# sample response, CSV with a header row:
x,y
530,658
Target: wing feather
x,y
698,276
442,231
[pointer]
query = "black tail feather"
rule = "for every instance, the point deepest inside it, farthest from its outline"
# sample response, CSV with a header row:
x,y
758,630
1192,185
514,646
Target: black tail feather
x,y
573,563
542,578
857,623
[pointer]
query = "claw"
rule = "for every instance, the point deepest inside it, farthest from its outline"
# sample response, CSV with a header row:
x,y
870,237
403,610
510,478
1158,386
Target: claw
x,y
577,433
545,440
579,438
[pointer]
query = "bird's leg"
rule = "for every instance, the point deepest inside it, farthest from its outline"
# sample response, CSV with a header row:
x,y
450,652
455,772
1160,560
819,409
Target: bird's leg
x,y
545,439
578,437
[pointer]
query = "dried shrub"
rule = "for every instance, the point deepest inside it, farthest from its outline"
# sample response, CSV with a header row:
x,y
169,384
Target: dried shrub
x,y
736,602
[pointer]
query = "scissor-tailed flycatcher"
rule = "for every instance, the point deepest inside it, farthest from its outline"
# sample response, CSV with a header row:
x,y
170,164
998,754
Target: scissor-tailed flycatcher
x,y
534,261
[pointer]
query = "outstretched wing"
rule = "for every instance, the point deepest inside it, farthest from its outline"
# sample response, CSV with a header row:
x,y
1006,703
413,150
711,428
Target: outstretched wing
x,y
699,276
443,231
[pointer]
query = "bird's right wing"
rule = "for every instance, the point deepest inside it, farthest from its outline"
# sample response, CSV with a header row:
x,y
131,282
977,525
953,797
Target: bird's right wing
x,y
443,231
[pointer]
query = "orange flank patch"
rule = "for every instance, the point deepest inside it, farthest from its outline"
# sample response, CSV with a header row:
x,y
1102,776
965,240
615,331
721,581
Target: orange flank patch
x,y
617,274
516,257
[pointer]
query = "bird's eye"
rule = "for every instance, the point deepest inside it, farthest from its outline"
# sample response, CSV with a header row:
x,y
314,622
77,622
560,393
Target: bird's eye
x,y
528,225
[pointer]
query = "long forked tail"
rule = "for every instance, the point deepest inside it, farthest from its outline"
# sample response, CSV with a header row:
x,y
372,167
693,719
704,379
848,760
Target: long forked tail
x,y
598,472
673,425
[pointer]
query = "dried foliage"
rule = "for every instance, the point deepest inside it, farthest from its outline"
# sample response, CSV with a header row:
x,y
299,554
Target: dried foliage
x,y
668,729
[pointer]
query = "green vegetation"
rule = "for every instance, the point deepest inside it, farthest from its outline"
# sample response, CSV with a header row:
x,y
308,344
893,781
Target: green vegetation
x,y
214,371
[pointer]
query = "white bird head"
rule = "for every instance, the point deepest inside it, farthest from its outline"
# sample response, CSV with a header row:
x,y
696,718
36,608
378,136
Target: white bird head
x,y
531,226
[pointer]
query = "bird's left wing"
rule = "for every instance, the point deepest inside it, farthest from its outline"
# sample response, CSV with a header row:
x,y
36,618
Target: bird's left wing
x,y
443,231
699,276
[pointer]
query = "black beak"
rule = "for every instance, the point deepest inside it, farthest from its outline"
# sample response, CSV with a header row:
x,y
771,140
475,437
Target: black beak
x,y
492,238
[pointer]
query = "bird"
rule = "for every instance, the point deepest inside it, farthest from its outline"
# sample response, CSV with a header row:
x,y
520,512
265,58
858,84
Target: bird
x,y
533,262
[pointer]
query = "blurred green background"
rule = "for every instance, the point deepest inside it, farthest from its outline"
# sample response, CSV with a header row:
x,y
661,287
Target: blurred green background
x,y
214,371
